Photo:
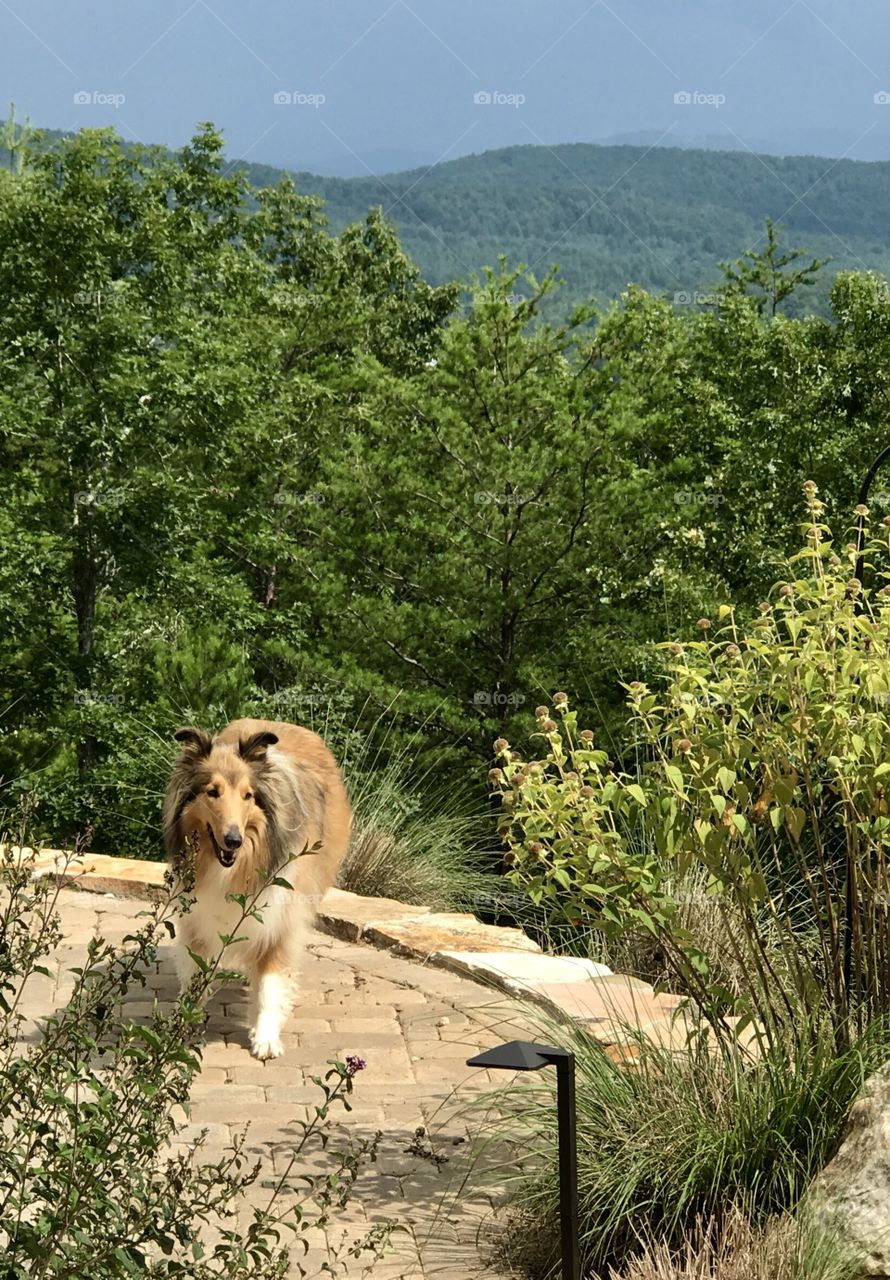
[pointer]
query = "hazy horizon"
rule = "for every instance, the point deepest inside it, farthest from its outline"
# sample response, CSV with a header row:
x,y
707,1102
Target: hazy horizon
x,y
394,84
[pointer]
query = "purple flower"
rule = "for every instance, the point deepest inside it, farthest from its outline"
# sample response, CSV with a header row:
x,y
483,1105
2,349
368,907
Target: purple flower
x,y
354,1064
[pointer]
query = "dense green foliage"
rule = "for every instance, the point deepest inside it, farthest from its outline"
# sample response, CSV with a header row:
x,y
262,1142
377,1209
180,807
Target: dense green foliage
x,y
764,765
253,466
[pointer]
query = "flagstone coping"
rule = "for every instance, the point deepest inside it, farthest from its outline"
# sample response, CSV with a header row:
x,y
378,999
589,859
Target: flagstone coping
x,y
497,956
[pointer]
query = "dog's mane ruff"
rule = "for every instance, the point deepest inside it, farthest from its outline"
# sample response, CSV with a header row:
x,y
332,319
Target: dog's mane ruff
x,y
292,799
182,787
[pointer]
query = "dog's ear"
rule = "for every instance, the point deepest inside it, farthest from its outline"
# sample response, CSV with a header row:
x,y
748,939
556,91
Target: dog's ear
x,y
195,742
254,747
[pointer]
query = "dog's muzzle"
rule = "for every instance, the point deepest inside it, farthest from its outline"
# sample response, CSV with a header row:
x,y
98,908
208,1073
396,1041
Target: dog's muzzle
x,y
225,857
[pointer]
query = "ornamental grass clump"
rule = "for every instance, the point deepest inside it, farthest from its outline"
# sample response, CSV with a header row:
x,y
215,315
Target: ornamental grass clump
x,y
669,1142
765,770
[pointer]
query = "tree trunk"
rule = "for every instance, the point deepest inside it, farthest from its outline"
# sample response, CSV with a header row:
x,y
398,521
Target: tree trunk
x,y
85,589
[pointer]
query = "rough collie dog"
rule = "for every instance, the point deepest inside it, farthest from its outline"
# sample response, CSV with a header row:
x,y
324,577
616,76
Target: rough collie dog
x,y
260,800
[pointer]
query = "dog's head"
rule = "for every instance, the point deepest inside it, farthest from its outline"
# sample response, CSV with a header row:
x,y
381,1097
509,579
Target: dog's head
x,y
220,793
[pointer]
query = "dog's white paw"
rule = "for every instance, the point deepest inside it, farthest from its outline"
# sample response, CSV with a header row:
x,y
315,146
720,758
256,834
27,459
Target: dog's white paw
x,y
264,1047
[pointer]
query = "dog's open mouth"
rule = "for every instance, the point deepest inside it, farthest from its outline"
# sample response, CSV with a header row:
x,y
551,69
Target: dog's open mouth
x,y
224,858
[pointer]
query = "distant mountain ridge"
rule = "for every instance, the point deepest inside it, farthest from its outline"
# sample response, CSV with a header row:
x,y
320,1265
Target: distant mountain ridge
x,y
663,218
660,217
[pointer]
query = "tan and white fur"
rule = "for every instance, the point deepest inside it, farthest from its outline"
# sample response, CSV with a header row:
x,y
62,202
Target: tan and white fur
x,y
262,799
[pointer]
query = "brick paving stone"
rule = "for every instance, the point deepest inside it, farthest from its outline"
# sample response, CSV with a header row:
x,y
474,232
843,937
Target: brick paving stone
x,y
382,1024
226,1104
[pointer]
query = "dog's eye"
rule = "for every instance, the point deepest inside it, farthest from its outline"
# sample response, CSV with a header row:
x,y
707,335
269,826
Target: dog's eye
x,y
213,792
249,795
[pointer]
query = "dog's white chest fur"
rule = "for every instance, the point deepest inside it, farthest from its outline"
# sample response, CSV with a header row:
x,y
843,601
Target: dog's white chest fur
x,y
216,916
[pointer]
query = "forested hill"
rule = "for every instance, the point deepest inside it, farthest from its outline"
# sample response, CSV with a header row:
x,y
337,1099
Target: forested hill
x,y
660,217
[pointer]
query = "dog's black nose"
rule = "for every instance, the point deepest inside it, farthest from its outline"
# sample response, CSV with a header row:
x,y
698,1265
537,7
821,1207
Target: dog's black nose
x,y
233,839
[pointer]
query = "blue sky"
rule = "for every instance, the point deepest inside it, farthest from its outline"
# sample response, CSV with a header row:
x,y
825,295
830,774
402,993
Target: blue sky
x,y
377,84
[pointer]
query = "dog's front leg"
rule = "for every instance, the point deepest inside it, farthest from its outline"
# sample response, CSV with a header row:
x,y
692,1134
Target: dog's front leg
x,y
271,993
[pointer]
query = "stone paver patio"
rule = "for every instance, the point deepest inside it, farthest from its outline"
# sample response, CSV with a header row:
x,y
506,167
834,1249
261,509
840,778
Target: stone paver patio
x,y
414,1025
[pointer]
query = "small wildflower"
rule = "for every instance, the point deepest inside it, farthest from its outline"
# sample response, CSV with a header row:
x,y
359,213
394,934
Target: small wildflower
x,y
495,775
635,686
704,624
549,726
676,650
586,735
560,699
587,791
500,744
765,606
684,745
861,509
733,651
810,486
354,1064
853,585
542,712
886,520
786,589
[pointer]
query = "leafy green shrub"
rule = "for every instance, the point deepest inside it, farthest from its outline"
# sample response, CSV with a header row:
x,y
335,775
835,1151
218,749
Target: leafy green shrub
x,y
90,1186
764,763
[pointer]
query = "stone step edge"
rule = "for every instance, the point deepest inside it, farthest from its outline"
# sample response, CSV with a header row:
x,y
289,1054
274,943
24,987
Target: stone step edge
x,y
496,956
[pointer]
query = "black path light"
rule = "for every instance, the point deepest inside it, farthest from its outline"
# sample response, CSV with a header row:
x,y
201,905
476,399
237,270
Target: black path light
x,y
520,1055
863,501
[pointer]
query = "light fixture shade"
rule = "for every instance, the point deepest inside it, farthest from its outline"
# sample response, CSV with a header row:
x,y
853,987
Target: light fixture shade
x,y
518,1055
